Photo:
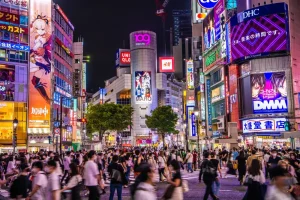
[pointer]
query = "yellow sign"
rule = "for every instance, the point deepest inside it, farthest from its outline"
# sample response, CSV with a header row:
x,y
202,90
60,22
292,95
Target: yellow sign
x,y
111,138
6,130
6,110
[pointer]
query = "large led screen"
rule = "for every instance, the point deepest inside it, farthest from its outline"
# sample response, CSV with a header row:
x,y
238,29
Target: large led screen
x,y
143,92
258,37
269,93
40,64
7,79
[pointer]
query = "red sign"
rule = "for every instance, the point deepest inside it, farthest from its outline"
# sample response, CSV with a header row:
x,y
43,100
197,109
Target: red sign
x,y
9,17
13,29
166,64
125,58
233,95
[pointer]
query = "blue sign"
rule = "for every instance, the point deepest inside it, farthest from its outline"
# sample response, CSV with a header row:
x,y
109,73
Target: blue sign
x,y
208,4
9,45
194,132
228,42
209,112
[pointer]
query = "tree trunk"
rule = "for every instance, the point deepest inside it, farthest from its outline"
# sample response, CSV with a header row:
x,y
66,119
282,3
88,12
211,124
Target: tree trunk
x,y
100,136
163,139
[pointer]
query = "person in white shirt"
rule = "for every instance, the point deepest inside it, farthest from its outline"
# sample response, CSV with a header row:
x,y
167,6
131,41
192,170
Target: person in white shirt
x,y
92,176
161,165
66,162
189,161
40,182
53,185
74,182
143,186
10,166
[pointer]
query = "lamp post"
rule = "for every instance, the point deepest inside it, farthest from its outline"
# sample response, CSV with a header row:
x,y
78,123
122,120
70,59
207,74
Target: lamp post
x,y
198,137
15,124
186,137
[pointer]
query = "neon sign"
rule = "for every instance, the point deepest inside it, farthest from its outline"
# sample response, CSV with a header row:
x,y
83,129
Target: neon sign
x,y
14,46
208,4
142,39
264,125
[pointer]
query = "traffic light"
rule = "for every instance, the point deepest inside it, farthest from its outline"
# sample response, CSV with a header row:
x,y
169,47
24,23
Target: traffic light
x,y
49,139
287,126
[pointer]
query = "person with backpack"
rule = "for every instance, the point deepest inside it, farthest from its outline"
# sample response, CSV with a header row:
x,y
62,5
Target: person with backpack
x,y
75,183
143,187
40,182
209,176
116,172
20,185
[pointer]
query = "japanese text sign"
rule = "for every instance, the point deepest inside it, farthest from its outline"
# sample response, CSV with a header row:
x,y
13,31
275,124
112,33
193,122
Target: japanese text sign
x,y
166,64
9,17
14,46
13,29
264,125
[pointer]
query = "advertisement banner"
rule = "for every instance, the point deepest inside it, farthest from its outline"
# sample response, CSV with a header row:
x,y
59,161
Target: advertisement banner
x,y
259,32
190,112
7,79
40,64
228,42
233,94
143,91
209,109
269,93
166,64
9,17
217,94
264,125
7,110
194,131
212,57
13,29
123,57
223,34
190,75
211,24
16,4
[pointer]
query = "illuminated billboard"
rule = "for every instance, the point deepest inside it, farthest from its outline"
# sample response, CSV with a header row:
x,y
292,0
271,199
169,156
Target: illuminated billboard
x,y
190,75
166,64
259,32
212,25
16,4
264,125
208,4
269,93
143,92
7,85
40,64
123,57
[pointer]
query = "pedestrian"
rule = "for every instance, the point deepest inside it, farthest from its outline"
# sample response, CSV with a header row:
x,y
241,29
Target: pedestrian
x,y
161,166
241,160
66,163
75,182
92,176
143,187
255,178
53,186
116,172
20,185
216,164
189,161
273,161
195,160
176,181
209,176
40,182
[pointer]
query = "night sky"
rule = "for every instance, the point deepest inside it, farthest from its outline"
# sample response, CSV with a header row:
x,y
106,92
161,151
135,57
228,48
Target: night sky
x,y
105,26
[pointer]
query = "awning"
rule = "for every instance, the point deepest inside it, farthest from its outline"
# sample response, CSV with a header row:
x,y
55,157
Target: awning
x,y
294,134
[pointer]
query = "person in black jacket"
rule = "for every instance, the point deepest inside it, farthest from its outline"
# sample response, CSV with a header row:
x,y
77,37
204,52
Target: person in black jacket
x,y
209,176
20,185
116,172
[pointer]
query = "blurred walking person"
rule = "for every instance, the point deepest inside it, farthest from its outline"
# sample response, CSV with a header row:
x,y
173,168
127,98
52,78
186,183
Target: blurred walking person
x,y
241,160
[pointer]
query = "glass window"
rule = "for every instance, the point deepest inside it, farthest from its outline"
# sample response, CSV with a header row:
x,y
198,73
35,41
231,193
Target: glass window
x,y
77,61
24,38
2,53
22,55
6,35
13,55
14,37
24,20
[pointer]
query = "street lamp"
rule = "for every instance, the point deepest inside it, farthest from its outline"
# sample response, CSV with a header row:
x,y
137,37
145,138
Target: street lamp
x,y
198,137
15,124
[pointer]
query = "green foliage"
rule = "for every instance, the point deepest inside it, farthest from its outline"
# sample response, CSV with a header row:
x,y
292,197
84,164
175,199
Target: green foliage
x,y
164,120
104,117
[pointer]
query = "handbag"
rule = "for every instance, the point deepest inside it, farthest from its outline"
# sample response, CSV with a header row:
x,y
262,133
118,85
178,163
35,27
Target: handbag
x,y
185,186
248,180
235,166
169,192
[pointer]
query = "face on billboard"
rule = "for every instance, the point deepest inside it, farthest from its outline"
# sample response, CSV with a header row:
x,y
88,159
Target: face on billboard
x,y
269,93
166,64
190,74
40,64
7,79
143,92
212,25
259,36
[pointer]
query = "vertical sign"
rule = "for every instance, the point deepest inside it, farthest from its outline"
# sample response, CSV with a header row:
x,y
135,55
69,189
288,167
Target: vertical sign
x,y
40,64
143,94
227,94
228,42
194,132
209,112
190,74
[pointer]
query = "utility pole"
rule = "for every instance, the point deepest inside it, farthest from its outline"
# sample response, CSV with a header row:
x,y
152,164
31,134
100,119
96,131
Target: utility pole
x,y
60,124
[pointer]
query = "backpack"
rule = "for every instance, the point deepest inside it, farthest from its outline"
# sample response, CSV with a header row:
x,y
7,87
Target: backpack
x,y
208,171
116,175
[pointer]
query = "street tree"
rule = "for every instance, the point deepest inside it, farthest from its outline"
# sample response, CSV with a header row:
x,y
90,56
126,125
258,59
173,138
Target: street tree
x,y
164,120
109,117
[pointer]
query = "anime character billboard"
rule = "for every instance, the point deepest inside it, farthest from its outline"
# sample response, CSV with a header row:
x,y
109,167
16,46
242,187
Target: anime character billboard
x,y
40,64
269,93
143,93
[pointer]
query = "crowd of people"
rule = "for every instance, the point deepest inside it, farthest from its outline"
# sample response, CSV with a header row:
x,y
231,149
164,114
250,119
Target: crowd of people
x,y
268,174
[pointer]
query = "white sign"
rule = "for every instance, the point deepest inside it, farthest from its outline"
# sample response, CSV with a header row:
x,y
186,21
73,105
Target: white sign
x,y
264,125
270,104
167,64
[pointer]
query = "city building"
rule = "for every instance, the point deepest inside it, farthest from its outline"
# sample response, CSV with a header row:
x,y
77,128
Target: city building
x,y
182,27
14,57
50,100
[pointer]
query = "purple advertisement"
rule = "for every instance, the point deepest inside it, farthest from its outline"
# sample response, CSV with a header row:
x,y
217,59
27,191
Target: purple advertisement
x,y
212,25
259,36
